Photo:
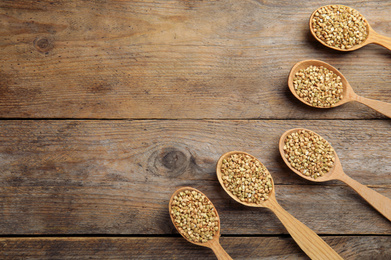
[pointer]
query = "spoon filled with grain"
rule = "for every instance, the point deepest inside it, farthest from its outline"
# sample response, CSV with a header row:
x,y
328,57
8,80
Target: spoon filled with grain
x,y
343,28
248,182
318,84
311,157
196,219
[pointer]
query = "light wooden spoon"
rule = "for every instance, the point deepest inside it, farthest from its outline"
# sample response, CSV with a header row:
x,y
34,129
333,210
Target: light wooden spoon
x,y
308,240
348,93
373,37
214,243
378,201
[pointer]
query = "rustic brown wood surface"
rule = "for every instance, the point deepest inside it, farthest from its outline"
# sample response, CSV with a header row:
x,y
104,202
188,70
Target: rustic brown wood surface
x,y
107,107
351,247
174,59
116,177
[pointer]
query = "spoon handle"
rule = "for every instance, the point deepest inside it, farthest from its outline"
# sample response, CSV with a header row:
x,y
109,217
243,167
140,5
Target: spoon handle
x,y
308,240
379,106
381,40
378,201
219,251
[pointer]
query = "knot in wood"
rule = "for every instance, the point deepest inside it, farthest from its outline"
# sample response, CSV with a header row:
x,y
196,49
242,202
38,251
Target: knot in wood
x,y
174,160
43,44
169,161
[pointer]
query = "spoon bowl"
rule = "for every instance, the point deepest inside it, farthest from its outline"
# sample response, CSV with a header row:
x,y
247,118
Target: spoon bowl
x,y
378,201
225,156
372,36
331,175
348,92
308,240
214,243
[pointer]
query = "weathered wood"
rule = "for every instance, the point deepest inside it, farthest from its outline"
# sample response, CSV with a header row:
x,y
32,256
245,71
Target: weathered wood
x,y
116,177
350,247
174,59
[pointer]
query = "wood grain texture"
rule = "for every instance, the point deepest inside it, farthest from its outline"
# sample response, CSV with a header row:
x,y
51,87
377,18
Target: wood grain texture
x,y
116,177
221,68
350,247
174,59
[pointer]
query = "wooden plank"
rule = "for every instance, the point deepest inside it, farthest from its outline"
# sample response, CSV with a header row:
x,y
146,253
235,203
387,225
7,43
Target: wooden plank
x,y
116,177
174,59
349,247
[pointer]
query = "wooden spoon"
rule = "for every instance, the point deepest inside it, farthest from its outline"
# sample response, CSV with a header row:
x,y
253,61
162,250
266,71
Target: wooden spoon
x,y
214,243
378,201
308,240
373,37
348,93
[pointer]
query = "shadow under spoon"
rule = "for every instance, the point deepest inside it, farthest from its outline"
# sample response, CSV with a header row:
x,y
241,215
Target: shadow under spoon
x,y
377,200
308,240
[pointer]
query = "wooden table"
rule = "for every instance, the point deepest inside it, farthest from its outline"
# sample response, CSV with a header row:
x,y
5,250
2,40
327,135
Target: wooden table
x,y
107,107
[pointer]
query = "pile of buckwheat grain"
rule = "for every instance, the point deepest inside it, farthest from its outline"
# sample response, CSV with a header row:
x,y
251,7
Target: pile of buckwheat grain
x,y
194,216
339,26
309,153
246,178
318,86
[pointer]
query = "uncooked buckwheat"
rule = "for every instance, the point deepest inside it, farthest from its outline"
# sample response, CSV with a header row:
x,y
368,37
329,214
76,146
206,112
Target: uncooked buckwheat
x,y
318,86
194,216
339,26
309,153
246,178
